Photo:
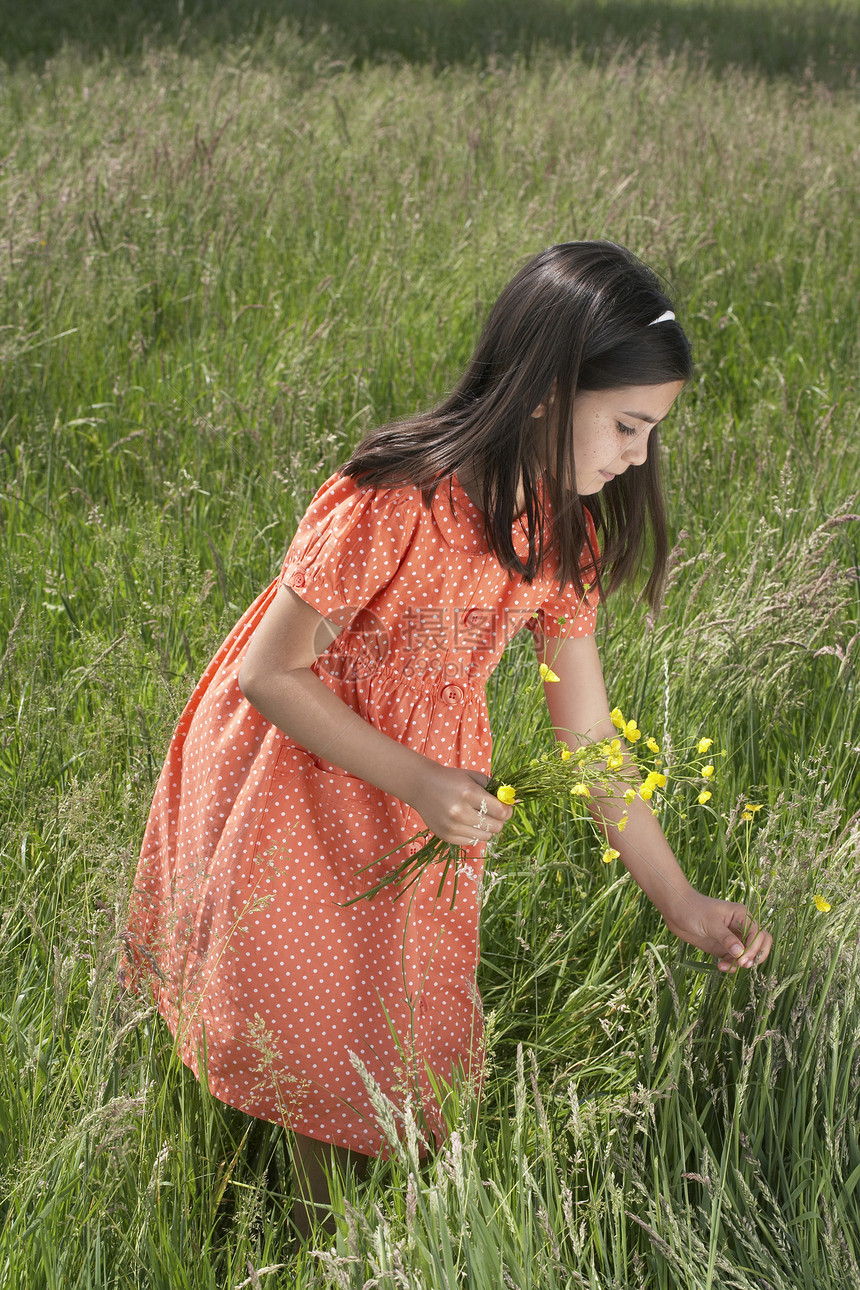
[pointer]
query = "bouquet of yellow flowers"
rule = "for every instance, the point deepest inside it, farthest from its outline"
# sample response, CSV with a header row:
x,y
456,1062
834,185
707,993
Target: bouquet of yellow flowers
x,y
579,777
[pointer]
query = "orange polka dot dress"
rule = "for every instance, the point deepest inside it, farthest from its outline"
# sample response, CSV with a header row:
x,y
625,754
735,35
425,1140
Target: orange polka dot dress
x,y
284,996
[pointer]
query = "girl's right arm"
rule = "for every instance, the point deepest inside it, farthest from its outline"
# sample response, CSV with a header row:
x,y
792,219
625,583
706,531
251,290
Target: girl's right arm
x,y
276,678
720,927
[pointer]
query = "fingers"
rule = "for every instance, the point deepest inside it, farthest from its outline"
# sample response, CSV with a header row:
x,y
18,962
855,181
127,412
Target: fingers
x,y
494,806
477,801
484,821
741,922
731,935
457,807
757,943
756,950
480,815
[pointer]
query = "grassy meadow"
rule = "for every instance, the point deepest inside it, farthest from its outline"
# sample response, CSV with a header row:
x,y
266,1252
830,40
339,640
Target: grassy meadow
x,y
229,244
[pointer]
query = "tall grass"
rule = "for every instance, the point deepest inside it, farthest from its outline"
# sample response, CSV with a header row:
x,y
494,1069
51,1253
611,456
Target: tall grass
x,y
772,37
221,263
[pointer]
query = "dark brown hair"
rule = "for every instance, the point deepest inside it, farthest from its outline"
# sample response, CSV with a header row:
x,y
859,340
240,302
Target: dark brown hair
x,y
576,317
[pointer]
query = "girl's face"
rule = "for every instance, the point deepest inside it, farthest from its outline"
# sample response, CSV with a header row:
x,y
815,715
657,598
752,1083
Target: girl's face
x,y
611,429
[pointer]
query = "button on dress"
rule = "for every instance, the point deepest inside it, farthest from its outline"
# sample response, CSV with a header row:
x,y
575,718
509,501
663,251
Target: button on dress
x,y
296,1006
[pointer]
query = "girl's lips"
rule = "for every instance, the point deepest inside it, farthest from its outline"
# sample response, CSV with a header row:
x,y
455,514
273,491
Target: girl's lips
x,y
606,475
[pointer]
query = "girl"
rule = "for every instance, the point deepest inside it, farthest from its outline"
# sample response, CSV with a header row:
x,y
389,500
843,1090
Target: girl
x,y
346,711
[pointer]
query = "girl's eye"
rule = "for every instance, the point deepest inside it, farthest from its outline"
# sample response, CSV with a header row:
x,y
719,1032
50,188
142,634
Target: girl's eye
x,y
626,429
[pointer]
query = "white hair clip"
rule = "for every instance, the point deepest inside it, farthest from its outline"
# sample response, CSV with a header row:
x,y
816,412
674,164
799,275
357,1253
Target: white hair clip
x,y
668,316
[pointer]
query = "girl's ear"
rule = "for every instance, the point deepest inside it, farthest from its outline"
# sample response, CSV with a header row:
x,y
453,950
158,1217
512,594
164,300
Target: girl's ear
x,y
540,410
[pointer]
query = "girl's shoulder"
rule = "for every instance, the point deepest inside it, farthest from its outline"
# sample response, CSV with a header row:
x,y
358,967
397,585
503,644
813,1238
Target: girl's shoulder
x,y
345,513
350,543
341,490
342,504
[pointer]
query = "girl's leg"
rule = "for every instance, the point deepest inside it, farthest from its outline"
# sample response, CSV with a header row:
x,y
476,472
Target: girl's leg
x,y
311,1160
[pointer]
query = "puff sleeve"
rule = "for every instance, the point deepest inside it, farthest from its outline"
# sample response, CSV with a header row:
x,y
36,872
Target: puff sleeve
x,y
349,545
565,614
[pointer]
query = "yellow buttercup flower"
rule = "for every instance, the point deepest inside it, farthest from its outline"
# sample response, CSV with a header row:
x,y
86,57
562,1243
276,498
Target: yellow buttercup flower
x,y
704,797
617,719
547,674
821,904
580,790
651,743
609,855
506,793
707,772
748,813
703,745
614,761
566,754
632,732
655,779
629,795
622,823
652,780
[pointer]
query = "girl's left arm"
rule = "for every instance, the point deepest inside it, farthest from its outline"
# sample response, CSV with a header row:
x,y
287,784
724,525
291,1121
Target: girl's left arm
x,y
580,711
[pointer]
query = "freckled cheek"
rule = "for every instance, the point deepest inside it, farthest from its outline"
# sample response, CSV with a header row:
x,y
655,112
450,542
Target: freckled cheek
x,y
605,448
591,443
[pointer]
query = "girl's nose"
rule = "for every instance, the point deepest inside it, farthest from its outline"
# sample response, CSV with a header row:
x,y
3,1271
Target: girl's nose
x,y
637,453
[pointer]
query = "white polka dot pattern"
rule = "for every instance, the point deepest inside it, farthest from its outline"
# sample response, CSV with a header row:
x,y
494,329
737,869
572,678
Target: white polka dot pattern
x,y
253,845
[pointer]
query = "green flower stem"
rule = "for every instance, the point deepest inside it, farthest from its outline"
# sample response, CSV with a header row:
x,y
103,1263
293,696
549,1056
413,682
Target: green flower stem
x,y
547,778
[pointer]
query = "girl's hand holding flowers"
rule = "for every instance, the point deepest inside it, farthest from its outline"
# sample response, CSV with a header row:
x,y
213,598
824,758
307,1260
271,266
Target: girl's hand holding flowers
x,y
459,812
456,806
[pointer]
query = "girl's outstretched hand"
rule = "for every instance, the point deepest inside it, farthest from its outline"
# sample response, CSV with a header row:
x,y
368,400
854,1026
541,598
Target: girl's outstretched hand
x,y
721,928
457,807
